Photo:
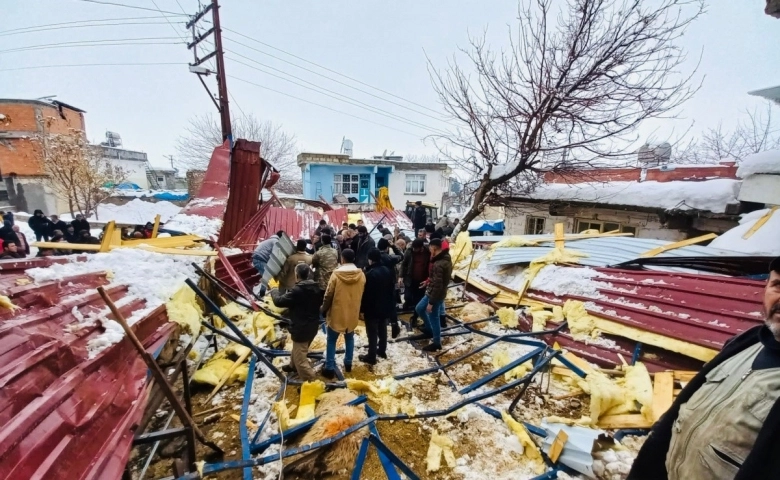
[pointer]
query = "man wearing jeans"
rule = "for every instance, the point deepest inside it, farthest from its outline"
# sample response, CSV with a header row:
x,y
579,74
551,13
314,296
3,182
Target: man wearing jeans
x,y
341,306
432,304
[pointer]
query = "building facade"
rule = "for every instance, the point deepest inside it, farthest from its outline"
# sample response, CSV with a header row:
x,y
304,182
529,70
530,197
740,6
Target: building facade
x,y
132,162
22,122
334,177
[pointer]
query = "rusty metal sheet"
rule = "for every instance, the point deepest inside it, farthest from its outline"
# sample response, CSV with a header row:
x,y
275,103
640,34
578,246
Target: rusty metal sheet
x,y
392,218
246,174
211,199
296,223
63,415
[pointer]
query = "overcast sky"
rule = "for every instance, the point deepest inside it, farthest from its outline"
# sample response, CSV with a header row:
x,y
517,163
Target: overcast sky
x,y
382,44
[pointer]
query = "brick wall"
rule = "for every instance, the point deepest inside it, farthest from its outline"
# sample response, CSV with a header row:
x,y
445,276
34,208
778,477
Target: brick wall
x,y
691,173
194,181
596,175
724,170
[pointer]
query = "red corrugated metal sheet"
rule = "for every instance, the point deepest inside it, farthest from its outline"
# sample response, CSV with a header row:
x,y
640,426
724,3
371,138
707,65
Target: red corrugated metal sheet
x,y
296,223
63,415
392,218
211,199
246,173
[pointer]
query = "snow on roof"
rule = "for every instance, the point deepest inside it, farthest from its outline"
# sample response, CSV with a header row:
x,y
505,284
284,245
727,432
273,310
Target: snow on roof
x,y
709,195
762,162
764,241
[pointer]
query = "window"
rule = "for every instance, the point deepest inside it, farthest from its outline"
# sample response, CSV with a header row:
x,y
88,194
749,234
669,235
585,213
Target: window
x,y
160,179
602,227
346,184
534,226
415,183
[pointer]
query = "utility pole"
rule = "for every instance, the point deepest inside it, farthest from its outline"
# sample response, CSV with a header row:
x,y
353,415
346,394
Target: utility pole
x,y
221,101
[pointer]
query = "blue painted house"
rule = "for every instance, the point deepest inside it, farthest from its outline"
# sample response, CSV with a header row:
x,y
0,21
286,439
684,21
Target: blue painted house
x,y
328,175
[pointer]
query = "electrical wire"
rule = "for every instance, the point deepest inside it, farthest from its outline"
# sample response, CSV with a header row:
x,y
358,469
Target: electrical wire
x,y
75,22
131,6
322,106
331,78
330,70
335,95
84,26
35,67
95,43
169,22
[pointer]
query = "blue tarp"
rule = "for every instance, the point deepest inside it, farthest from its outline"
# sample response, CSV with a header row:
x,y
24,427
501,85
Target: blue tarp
x,y
128,186
486,226
172,196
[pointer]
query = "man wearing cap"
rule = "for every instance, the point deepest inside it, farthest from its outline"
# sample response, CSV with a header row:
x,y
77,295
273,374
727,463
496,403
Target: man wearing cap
x,y
725,424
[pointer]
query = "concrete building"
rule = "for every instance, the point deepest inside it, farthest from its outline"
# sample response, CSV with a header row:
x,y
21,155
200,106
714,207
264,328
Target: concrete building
x,y
133,162
23,185
666,203
162,179
331,175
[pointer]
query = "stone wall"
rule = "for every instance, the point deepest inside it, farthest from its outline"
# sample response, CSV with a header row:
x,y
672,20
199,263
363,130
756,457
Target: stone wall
x,y
194,181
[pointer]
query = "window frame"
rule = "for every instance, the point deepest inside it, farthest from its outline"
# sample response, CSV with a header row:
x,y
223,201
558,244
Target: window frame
x,y
601,226
350,180
535,229
415,184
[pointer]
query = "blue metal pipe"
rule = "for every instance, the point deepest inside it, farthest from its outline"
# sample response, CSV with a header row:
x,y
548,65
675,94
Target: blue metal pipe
x,y
243,432
493,375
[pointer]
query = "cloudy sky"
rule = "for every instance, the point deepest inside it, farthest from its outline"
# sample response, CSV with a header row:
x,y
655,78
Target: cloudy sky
x,y
382,45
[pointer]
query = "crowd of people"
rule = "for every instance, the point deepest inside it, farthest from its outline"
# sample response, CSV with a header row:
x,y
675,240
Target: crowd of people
x,y
15,244
341,276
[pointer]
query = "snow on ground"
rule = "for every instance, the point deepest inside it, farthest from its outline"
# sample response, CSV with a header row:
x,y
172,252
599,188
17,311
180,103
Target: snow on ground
x,y
710,195
136,212
762,162
764,241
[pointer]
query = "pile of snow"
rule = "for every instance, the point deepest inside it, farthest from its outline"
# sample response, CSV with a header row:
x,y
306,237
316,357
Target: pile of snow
x,y
561,281
198,225
151,276
762,162
135,212
709,195
764,241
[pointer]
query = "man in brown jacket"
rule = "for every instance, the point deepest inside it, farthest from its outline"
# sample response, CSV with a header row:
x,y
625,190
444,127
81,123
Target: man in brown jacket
x,y
287,274
431,307
342,307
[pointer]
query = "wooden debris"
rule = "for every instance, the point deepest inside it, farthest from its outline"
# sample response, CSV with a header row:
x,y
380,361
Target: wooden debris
x,y
557,445
663,393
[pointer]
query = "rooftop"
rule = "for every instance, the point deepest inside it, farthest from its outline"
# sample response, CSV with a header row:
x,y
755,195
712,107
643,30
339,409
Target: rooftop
x,y
52,103
312,158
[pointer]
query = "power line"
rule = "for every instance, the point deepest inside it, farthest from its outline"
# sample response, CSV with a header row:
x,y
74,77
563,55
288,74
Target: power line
x,y
95,43
323,106
333,79
83,26
336,95
75,22
34,67
169,22
330,70
131,6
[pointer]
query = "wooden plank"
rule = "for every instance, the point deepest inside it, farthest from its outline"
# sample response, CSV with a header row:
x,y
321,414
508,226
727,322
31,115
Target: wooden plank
x,y
557,445
760,223
67,246
684,376
634,420
683,243
559,236
663,393
178,241
177,251
156,227
108,235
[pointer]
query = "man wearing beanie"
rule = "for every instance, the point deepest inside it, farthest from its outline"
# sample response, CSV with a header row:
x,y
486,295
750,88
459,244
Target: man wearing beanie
x,y
376,305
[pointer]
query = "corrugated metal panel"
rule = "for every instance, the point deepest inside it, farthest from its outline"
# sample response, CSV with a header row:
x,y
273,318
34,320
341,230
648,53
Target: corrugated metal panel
x,y
392,218
296,223
603,251
705,310
64,415
212,197
246,173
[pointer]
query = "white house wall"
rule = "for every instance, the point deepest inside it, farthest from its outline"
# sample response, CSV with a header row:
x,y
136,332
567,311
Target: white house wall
x,y
135,169
760,189
436,184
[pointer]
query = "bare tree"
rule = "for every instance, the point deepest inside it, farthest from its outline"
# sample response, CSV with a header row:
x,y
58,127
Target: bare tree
x,y
77,172
571,88
754,133
204,133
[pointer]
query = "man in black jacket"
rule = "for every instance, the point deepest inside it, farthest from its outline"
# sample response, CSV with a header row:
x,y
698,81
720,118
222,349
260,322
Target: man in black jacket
x,y
80,223
420,218
57,224
376,305
303,304
414,272
390,260
39,224
361,244
725,424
